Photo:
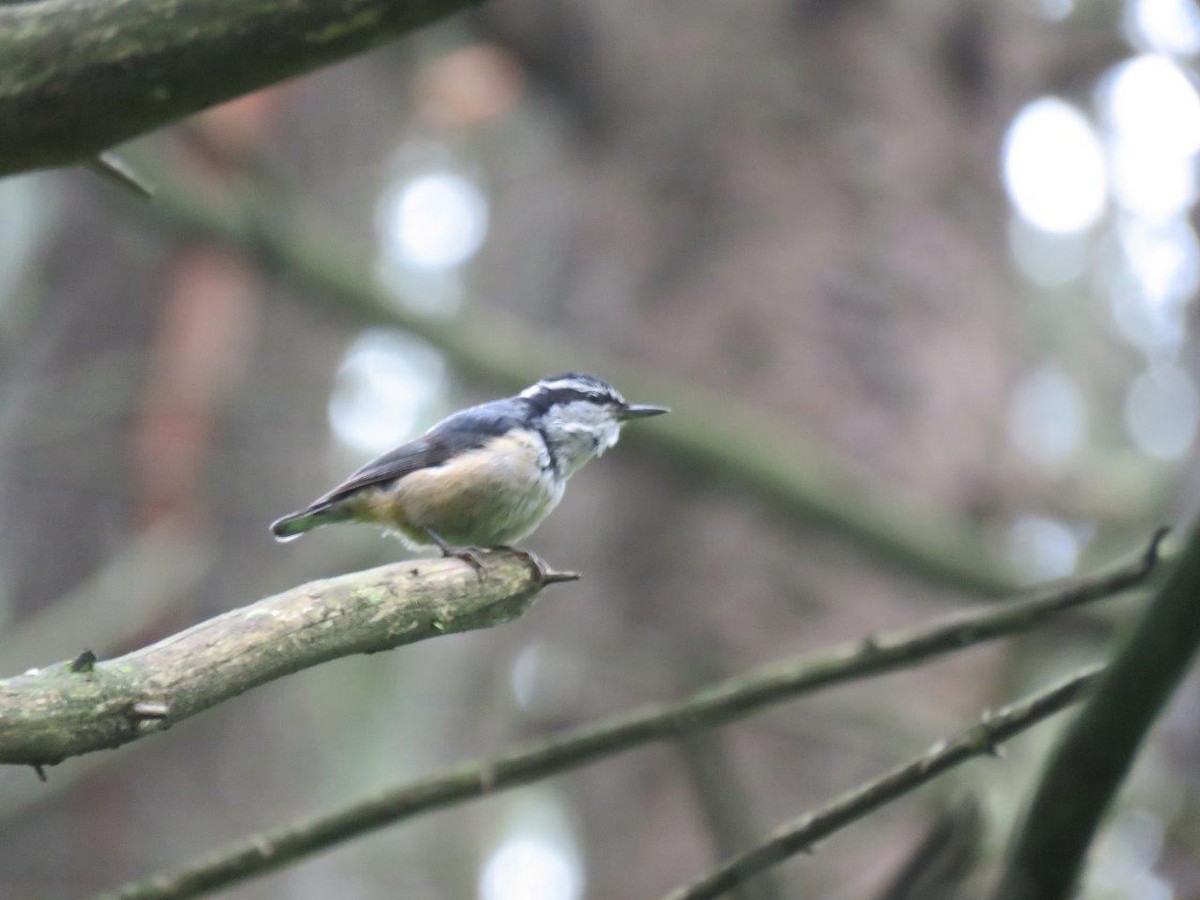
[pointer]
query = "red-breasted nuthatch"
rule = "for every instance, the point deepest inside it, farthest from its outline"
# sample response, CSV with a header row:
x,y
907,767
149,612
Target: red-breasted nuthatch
x,y
484,477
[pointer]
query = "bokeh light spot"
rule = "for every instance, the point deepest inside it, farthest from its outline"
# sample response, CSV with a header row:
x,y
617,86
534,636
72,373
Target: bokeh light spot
x,y
1055,10
1041,547
1153,113
1047,418
530,868
1172,26
524,676
1053,167
435,221
1121,863
1048,259
1161,412
388,382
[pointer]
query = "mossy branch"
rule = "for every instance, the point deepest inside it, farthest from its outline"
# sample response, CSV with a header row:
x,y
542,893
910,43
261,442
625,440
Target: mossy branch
x,y
982,739
66,709
717,704
1088,767
78,76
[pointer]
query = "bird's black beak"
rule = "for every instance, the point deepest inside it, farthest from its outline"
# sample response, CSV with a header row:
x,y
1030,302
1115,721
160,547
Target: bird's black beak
x,y
639,411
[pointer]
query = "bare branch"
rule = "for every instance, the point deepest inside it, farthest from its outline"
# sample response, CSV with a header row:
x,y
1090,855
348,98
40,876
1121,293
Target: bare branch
x,y
800,835
1087,769
71,708
79,76
720,703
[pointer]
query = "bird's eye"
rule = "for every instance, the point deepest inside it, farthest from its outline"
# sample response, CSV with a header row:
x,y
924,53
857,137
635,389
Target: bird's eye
x,y
594,397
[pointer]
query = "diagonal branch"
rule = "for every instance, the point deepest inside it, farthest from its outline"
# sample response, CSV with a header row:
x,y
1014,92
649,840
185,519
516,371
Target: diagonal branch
x,y
71,708
1088,767
723,702
799,836
78,76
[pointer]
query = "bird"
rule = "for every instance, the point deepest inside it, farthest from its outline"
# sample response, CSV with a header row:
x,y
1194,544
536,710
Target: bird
x,y
484,477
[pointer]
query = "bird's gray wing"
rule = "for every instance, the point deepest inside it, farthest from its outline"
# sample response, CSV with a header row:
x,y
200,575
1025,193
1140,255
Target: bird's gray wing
x,y
395,464
463,431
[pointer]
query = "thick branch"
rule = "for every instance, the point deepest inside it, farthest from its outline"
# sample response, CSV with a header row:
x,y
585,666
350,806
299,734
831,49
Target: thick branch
x,y
78,76
800,835
720,703
71,708
715,436
1087,768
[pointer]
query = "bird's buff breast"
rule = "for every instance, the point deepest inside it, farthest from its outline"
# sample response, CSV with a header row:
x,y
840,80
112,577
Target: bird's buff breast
x,y
495,495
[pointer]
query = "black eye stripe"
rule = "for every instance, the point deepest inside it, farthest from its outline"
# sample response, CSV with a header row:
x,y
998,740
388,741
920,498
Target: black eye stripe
x,y
543,400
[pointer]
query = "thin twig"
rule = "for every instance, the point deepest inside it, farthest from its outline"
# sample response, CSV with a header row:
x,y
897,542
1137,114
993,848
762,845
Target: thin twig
x,y
69,708
800,835
113,167
715,705
1086,770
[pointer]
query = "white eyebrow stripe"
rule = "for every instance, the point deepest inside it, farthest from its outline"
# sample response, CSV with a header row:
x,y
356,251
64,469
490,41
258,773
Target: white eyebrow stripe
x,y
560,384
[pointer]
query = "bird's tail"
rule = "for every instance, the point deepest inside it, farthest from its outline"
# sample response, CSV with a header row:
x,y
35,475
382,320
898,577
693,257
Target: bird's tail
x,y
295,524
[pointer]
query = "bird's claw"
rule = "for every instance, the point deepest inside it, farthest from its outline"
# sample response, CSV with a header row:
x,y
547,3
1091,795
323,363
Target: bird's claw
x,y
545,574
471,556
528,556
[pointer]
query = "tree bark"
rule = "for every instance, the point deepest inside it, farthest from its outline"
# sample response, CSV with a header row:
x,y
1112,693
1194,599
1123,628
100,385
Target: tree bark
x,y
1091,761
79,76
71,708
799,836
717,704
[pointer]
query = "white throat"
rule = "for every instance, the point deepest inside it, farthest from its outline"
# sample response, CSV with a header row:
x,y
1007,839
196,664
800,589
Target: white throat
x,y
578,432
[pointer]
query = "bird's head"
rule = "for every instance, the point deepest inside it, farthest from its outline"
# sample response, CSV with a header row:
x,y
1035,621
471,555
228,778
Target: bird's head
x,y
580,416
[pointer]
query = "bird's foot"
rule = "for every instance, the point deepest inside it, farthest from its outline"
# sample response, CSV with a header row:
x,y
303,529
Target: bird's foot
x,y
538,564
470,555
545,574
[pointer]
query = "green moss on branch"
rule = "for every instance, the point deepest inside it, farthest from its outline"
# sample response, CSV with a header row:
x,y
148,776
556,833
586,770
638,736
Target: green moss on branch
x,y
77,76
723,702
67,709
1090,764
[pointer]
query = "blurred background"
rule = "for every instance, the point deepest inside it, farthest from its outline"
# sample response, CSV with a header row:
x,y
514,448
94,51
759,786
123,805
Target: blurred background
x,y
949,246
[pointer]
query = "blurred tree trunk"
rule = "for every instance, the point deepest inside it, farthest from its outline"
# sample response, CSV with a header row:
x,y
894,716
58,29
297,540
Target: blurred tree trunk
x,y
826,171
797,203
793,202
